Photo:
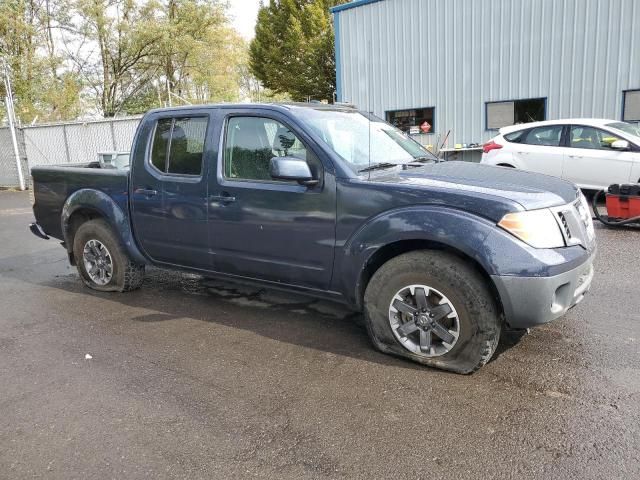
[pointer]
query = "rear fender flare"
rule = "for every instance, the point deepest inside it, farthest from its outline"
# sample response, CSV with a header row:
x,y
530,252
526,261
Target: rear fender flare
x,y
107,208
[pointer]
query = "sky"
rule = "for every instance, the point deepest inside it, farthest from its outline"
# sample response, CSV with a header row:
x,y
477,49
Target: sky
x,y
243,15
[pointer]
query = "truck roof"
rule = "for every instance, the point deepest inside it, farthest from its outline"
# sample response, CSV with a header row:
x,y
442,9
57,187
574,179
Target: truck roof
x,y
279,105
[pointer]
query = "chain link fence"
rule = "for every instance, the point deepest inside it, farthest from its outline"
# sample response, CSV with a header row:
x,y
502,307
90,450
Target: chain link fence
x,y
60,143
8,168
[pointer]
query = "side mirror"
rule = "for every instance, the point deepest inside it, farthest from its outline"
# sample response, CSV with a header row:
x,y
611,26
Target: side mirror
x,y
292,168
620,145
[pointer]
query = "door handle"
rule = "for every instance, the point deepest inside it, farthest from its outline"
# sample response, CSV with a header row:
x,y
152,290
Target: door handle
x,y
148,192
576,156
222,198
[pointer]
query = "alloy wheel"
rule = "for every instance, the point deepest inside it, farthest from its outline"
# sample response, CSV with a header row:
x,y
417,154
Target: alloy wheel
x,y
424,320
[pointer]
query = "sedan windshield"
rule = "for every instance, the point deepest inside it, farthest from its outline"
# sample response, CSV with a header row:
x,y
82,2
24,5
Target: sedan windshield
x,y
364,142
628,128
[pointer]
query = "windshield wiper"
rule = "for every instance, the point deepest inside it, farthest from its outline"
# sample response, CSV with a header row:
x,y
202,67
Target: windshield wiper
x,y
430,158
378,166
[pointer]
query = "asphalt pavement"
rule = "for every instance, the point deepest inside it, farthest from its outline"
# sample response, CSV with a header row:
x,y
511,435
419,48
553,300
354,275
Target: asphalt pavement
x,y
193,378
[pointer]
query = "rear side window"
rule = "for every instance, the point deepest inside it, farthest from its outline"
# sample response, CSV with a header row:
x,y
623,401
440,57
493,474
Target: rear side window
x,y
161,139
547,136
178,145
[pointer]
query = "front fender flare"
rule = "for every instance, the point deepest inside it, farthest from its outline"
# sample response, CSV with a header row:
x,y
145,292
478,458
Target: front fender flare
x,y
106,207
495,250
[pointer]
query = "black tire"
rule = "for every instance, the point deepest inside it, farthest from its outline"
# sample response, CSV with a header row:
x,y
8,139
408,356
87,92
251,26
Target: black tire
x,y
126,274
480,319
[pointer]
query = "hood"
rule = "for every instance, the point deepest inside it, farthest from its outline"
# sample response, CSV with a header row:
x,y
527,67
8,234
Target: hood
x,y
530,190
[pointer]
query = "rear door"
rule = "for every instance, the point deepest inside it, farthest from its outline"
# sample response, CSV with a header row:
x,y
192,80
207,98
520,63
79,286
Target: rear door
x,y
169,189
591,162
539,150
263,228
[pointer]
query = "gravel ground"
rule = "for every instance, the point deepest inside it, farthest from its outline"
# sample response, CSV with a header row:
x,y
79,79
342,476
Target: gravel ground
x,y
193,378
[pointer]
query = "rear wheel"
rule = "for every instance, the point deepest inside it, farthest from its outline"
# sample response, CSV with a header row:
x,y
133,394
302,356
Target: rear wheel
x,y
102,262
433,308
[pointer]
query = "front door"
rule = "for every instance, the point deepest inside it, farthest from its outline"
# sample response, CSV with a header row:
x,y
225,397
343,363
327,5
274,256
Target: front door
x,y
591,162
263,228
169,192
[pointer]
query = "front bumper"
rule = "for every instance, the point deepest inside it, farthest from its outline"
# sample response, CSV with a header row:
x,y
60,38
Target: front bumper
x,y
531,301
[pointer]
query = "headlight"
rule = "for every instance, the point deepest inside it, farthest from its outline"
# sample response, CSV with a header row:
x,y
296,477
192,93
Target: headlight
x,y
538,228
585,215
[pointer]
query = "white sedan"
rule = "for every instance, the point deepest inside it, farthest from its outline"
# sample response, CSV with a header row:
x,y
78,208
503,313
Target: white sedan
x,y
588,152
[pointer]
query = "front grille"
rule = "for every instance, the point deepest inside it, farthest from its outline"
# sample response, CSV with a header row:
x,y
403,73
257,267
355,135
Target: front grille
x,y
565,226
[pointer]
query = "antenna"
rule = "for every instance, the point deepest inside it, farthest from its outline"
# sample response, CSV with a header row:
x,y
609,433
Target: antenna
x,y
369,88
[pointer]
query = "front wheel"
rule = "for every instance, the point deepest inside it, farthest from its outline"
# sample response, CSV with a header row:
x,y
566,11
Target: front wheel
x,y
102,262
433,308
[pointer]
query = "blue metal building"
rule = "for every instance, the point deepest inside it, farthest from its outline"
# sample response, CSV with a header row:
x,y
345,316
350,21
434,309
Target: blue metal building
x,y
471,66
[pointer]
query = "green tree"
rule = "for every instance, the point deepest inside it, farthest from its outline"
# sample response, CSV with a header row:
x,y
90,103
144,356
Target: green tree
x,y
124,33
199,54
293,50
42,88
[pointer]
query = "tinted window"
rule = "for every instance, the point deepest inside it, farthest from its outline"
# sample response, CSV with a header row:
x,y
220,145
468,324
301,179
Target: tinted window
x,y
187,146
178,145
252,142
591,138
161,144
516,137
548,136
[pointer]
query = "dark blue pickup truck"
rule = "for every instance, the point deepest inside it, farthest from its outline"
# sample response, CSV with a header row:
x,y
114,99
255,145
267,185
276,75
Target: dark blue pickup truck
x,y
336,203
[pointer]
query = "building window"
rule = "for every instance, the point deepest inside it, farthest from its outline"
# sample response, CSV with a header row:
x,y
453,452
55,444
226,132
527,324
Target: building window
x,y
503,114
631,106
413,121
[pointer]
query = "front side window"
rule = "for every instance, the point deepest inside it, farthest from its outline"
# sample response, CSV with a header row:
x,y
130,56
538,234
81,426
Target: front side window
x,y
545,136
178,145
503,114
251,143
591,138
413,121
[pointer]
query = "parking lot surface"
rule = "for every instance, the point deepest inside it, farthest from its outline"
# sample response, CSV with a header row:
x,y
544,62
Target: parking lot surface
x,y
194,378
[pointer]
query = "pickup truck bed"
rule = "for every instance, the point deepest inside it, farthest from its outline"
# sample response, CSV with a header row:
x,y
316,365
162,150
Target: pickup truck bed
x,y
53,185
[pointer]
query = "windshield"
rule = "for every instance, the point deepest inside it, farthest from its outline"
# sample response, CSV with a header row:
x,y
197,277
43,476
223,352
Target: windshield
x,y
363,141
628,128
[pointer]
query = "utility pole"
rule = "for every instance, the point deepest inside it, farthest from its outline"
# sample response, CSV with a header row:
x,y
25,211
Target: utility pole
x,y
8,100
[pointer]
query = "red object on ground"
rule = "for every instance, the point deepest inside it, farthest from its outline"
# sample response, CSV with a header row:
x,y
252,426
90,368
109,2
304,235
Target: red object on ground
x,y
623,201
490,145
